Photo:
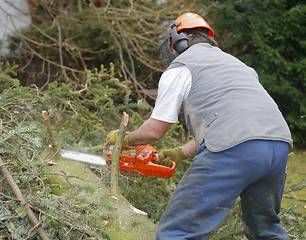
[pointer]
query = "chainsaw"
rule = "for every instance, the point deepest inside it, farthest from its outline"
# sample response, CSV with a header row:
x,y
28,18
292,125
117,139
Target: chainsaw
x,y
140,161
136,161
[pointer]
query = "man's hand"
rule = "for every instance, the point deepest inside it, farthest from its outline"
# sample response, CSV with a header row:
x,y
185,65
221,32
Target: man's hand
x,y
111,139
166,156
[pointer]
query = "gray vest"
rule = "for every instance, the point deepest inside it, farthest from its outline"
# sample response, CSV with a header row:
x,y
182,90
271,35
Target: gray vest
x,y
227,105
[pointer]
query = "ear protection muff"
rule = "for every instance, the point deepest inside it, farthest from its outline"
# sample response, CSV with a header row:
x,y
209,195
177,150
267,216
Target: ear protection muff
x,y
179,41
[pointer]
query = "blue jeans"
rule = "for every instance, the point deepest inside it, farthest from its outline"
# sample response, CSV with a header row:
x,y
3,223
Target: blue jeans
x,y
254,170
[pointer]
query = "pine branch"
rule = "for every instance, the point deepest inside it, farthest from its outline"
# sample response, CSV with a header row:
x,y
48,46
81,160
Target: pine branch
x,y
6,174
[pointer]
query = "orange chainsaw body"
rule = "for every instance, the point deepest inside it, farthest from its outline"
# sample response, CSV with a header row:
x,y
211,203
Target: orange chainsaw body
x,y
139,161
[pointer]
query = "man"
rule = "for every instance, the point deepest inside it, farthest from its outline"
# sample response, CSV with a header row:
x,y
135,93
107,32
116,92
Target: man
x,y
241,139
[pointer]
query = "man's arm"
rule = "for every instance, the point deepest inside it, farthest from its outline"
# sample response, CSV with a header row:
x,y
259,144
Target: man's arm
x,y
150,131
189,149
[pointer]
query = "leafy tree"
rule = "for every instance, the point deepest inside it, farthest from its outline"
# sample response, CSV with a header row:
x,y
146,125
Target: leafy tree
x,y
269,35
67,38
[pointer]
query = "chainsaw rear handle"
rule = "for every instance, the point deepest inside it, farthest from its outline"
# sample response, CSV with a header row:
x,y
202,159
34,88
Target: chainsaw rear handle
x,y
173,165
156,157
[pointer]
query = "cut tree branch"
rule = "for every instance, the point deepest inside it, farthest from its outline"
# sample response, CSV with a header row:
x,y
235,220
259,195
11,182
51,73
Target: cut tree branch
x,y
6,174
51,135
116,156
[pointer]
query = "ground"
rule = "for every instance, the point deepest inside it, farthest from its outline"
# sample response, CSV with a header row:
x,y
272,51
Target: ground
x,y
296,169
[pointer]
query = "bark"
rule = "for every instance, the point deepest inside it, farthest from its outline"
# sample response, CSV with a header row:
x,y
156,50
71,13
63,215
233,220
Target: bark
x,y
51,135
116,156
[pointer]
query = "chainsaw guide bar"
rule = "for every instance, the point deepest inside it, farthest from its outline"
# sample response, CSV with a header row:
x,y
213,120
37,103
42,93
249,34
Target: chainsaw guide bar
x,y
83,157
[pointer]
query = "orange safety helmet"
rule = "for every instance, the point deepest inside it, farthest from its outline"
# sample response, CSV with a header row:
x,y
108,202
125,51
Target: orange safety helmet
x,y
177,40
192,20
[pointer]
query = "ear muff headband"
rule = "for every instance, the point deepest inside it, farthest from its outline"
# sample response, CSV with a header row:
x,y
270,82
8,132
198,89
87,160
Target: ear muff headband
x,y
179,41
